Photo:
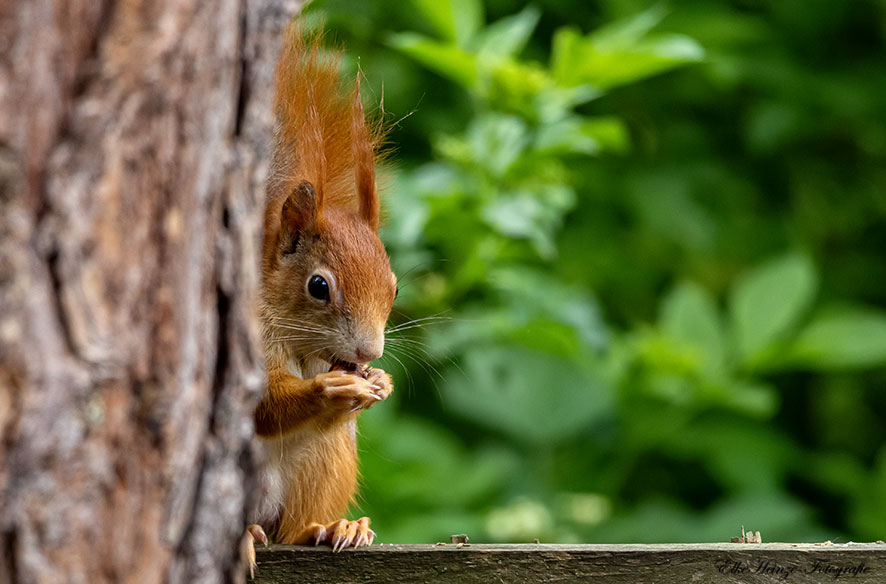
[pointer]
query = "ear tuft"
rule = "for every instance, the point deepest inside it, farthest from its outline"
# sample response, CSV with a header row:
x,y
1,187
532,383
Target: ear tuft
x,y
364,145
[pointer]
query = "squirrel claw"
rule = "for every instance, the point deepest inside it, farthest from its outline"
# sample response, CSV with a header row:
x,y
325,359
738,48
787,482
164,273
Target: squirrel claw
x,y
253,532
365,537
315,532
256,531
380,382
342,534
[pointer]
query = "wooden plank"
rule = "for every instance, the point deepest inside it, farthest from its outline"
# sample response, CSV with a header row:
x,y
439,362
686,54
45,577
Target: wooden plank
x,y
729,563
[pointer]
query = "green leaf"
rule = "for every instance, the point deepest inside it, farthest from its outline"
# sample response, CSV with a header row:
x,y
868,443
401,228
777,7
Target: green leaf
x,y
664,201
533,213
554,103
620,53
561,320
610,133
506,37
754,399
518,215
446,59
456,20
744,455
512,85
624,33
567,53
497,141
650,57
767,304
530,396
582,135
532,292
846,339
689,315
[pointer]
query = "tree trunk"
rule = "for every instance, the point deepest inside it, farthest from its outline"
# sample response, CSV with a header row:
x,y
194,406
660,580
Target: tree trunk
x,y
134,143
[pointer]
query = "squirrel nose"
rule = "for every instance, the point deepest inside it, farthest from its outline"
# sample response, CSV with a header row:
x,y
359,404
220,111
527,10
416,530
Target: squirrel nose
x,y
368,344
365,355
370,349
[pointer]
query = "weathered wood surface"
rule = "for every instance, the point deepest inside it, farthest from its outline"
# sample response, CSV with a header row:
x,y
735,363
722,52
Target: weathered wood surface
x,y
727,563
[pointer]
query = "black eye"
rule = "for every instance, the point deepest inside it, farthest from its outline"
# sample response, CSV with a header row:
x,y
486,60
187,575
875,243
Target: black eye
x,y
396,292
318,288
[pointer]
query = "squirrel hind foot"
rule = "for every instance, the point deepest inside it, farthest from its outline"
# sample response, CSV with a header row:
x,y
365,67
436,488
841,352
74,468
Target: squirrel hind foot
x,y
339,534
253,532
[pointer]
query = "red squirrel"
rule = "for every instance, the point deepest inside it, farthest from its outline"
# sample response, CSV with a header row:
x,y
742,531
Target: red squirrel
x,y
327,292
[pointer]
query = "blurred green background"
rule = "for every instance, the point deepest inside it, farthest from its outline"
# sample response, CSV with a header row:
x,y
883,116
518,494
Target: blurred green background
x,y
646,245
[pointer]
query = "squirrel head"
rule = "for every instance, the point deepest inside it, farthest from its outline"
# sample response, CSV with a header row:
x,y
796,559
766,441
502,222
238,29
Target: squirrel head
x,y
328,279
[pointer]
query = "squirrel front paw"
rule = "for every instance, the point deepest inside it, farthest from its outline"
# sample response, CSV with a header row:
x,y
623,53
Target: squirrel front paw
x,y
345,392
380,382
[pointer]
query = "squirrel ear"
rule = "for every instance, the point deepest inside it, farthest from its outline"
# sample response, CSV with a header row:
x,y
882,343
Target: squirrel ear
x,y
364,161
301,214
368,197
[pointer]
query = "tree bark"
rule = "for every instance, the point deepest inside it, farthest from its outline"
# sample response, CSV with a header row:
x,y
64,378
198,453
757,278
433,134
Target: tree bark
x,y
134,140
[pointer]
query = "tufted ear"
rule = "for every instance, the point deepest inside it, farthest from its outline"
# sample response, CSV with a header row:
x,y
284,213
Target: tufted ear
x,y
364,145
300,216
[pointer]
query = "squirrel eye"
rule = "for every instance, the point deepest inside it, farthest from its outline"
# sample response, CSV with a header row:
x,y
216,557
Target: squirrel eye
x,y
318,288
396,292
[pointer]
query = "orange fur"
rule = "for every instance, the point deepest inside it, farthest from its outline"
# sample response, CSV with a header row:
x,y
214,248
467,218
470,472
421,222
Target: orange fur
x,y
321,219
326,487
322,135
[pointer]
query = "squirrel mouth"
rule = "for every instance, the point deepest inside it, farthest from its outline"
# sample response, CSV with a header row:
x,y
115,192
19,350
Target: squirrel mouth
x,y
340,365
336,364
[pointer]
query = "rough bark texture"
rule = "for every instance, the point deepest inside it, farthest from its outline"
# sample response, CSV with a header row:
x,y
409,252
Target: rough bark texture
x,y
611,564
134,144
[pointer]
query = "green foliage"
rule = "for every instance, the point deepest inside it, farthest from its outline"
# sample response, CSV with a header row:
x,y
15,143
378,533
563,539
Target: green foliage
x,y
620,53
649,273
768,302
842,339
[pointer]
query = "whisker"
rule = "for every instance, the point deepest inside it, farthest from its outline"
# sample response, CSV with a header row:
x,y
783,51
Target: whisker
x,y
432,372
294,324
425,348
289,330
289,338
410,388
432,316
290,319
418,322
402,328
